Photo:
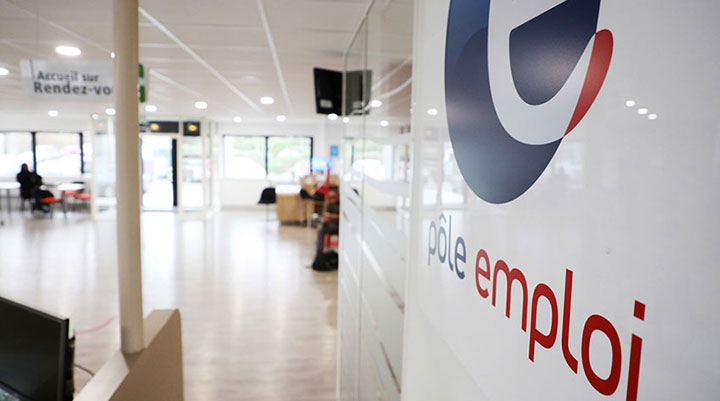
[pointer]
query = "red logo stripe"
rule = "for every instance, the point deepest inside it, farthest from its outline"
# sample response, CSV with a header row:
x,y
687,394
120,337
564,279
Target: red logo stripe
x,y
599,65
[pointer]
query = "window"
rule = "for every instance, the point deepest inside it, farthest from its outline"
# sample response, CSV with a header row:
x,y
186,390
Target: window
x,y
288,157
279,158
244,157
87,148
15,149
58,155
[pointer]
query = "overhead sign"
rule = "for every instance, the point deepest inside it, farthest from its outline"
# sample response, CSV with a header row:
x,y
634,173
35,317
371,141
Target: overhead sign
x,y
89,81
142,89
165,127
191,128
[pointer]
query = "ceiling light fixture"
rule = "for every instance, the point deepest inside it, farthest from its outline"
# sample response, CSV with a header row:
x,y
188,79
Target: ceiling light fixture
x,y
630,103
112,54
375,104
3,71
643,111
384,123
150,108
53,113
332,116
69,51
281,118
432,112
95,116
267,100
346,120
200,105
110,111
652,116
237,119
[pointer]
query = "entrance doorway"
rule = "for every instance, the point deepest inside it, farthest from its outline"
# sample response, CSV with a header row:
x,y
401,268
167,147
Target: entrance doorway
x,y
159,172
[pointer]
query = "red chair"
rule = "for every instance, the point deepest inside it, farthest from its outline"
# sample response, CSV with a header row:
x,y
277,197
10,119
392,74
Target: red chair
x,y
331,241
51,202
84,197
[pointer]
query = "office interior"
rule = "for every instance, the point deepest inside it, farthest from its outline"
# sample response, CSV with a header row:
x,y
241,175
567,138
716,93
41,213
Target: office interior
x,y
200,256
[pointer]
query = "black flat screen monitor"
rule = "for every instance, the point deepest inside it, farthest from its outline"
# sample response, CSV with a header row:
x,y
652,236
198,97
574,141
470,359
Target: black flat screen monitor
x,y
358,92
34,353
328,91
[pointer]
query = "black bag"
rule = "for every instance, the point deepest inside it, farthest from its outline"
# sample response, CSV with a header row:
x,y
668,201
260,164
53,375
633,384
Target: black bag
x,y
326,261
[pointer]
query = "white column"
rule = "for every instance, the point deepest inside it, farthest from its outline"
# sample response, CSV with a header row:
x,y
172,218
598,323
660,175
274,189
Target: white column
x,y
127,167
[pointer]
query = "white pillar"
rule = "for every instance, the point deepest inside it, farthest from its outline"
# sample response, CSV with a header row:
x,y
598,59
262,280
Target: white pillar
x,y
127,168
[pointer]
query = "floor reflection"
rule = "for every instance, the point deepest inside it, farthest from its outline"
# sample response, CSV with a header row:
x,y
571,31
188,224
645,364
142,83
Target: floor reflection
x,y
258,323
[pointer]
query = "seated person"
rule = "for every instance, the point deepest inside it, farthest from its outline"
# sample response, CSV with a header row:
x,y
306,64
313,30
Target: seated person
x,y
39,195
28,181
330,218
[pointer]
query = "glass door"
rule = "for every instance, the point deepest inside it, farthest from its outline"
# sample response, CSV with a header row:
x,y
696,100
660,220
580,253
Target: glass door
x,y
159,172
192,167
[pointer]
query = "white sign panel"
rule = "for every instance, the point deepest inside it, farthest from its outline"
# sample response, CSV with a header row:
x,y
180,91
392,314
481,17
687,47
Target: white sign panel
x,y
85,81
566,201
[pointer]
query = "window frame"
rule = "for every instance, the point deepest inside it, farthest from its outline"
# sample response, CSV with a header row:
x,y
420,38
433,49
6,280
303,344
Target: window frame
x,y
33,147
266,152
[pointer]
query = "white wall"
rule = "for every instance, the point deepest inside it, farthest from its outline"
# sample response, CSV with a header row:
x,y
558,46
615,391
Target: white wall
x,y
42,122
628,204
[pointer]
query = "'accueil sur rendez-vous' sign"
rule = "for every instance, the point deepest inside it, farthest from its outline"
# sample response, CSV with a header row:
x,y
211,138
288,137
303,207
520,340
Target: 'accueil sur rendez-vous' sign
x,y
90,81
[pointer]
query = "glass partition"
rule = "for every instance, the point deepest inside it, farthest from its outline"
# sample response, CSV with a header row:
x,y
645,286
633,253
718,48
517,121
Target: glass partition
x,y
192,187
376,171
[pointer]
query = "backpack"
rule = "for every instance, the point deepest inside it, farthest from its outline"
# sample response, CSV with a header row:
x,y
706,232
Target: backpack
x,y
326,261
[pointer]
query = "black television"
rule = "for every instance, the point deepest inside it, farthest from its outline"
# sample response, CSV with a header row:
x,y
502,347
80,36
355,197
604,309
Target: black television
x,y
328,91
358,92
36,355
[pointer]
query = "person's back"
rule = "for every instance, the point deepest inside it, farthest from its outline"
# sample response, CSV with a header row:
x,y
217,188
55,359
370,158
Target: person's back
x,y
28,181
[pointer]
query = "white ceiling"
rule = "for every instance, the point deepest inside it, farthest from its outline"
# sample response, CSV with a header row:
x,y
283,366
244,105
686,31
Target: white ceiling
x,y
222,52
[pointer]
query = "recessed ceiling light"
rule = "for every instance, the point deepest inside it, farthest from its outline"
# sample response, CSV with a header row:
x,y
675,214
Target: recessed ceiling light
x,y
375,104
110,111
200,105
237,119
332,116
346,120
53,113
281,118
384,123
70,51
643,111
150,108
652,116
432,112
112,54
630,103
267,100
95,116
3,71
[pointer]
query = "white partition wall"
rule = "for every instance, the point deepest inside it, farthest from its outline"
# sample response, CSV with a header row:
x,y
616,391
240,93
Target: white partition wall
x,y
565,224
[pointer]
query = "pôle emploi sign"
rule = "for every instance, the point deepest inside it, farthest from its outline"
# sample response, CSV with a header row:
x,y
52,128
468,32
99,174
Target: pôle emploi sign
x,y
69,80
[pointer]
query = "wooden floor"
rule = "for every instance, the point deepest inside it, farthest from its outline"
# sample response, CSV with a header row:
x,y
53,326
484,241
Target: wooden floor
x,y
258,324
